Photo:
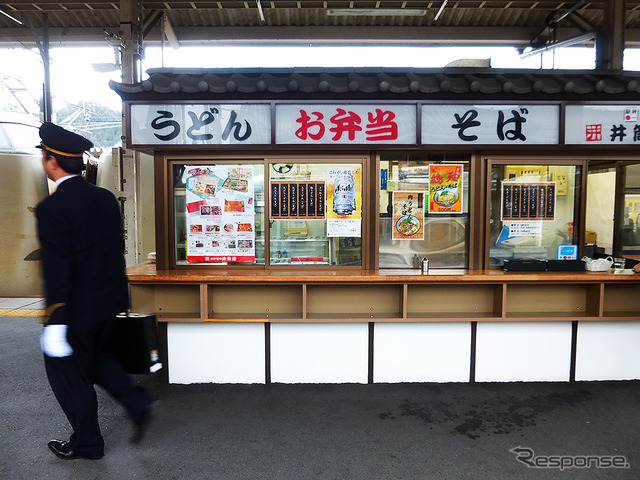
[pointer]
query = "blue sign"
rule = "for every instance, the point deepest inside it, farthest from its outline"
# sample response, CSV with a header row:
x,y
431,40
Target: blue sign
x,y
567,252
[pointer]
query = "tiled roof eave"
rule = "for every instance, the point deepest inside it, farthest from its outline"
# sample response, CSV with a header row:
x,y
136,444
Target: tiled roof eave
x,y
381,84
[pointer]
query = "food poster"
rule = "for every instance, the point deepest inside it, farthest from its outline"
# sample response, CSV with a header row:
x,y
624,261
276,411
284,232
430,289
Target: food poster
x,y
408,215
220,211
445,188
344,201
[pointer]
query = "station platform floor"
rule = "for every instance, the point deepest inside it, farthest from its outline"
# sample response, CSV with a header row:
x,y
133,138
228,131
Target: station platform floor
x,y
587,430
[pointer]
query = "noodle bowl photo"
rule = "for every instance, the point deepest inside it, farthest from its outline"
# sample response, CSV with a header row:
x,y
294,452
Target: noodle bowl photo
x,y
446,198
408,225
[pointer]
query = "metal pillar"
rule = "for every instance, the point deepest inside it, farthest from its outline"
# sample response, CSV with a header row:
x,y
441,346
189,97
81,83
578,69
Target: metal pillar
x,y
610,38
131,52
47,107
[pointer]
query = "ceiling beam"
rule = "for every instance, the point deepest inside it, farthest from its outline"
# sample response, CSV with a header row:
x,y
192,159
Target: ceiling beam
x,y
517,37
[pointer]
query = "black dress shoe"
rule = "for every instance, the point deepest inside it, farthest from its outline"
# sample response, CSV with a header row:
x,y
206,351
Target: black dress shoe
x,y
62,449
140,427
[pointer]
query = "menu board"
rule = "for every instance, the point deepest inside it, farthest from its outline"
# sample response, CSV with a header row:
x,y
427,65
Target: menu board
x,y
220,210
297,200
528,201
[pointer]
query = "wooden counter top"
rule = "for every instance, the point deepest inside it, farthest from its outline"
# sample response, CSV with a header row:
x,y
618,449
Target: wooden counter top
x,y
147,272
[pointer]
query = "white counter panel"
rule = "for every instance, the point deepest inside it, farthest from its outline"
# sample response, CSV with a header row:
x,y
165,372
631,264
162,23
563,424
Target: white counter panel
x,y
421,352
319,353
608,351
216,352
523,352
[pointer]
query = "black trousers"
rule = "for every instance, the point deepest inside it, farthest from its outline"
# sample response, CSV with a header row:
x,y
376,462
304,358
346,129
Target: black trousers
x,y
72,380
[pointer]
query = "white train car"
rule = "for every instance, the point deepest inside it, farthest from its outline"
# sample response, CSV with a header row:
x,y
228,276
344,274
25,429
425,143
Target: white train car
x,y
22,186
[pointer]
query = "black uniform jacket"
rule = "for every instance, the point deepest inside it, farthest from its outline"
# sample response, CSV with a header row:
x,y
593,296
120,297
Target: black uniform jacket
x,y
80,231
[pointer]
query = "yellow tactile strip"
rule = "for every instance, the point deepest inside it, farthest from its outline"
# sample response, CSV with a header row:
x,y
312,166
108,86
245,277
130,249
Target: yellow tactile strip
x,y
21,312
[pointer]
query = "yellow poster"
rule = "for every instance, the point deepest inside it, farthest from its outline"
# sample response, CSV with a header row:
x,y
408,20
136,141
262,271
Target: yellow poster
x,y
408,215
344,201
445,188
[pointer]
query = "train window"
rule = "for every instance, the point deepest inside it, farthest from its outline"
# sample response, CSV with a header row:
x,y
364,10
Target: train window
x,y
18,138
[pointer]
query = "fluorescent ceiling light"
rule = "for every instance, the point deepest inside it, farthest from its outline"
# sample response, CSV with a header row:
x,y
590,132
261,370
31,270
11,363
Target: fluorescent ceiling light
x,y
12,18
569,42
375,12
260,11
440,10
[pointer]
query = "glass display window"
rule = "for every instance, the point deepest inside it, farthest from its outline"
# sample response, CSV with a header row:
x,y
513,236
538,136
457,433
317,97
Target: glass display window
x,y
424,210
315,213
218,212
630,237
310,213
533,210
612,209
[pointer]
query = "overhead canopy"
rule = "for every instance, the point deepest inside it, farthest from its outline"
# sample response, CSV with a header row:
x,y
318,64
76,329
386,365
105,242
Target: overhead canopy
x,y
518,23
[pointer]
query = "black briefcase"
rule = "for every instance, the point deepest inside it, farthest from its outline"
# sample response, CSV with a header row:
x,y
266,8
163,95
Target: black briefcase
x,y
134,341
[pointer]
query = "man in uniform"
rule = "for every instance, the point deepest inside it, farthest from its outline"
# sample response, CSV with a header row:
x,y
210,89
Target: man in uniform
x,y
80,232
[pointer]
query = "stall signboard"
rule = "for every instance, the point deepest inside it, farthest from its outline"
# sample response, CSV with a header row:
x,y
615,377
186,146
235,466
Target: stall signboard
x,y
602,125
528,201
408,215
297,200
220,211
344,201
348,124
490,124
200,124
380,124
445,188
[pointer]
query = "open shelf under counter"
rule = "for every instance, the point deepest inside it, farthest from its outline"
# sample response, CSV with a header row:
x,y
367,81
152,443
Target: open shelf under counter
x,y
264,300
550,316
451,300
621,300
385,296
559,300
168,301
353,317
253,317
359,301
454,316
170,317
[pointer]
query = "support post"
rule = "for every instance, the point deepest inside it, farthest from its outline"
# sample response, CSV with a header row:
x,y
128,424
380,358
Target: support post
x,y
610,38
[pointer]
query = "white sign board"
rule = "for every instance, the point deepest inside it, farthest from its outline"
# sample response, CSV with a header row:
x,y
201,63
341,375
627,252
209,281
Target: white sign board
x,y
200,124
490,124
346,124
602,125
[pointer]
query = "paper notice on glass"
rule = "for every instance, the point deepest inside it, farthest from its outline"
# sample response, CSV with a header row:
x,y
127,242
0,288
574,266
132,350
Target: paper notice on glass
x,y
525,229
344,228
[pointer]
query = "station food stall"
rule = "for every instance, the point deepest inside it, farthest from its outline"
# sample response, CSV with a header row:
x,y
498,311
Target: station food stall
x,y
295,209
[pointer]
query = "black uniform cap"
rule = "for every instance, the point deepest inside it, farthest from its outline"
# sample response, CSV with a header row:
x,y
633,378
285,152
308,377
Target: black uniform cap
x,y
56,139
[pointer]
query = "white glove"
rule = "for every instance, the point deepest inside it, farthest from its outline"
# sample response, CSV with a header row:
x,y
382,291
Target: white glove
x,y
54,341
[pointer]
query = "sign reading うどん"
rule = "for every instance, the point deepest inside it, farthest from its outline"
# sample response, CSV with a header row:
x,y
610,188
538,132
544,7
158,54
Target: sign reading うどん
x,y
200,124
